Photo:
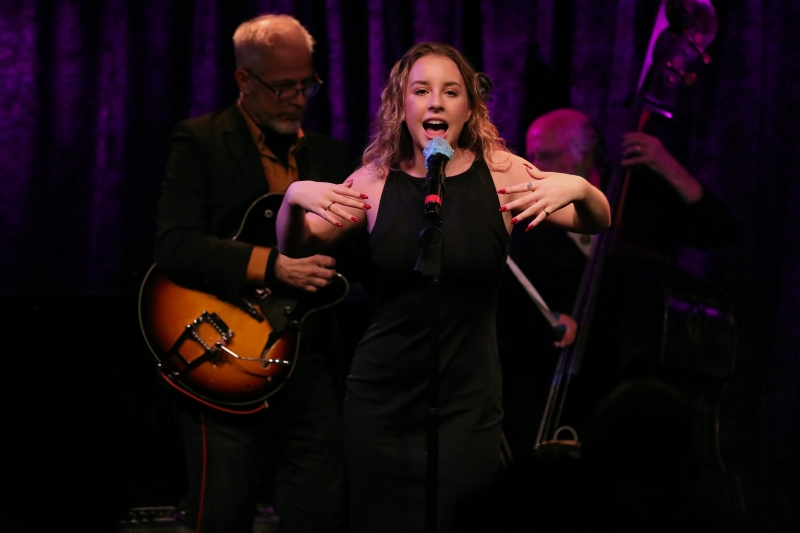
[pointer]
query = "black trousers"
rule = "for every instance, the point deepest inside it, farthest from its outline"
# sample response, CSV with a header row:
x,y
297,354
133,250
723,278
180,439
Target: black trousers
x,y
294,447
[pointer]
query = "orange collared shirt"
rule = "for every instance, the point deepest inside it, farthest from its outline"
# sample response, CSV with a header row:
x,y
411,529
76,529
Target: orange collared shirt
x,y
278,176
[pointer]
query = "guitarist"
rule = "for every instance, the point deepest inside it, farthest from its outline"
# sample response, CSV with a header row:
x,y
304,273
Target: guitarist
x,y
219,164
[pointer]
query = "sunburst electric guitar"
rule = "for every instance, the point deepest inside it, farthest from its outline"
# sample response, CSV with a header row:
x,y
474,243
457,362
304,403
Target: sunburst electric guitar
x,y
230,353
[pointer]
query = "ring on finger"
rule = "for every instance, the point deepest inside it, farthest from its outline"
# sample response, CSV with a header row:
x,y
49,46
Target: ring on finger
x,y
329,206
530,183
546,213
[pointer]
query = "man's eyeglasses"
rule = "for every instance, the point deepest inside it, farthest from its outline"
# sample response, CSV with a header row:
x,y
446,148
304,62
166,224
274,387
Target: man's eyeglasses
x,y
288,92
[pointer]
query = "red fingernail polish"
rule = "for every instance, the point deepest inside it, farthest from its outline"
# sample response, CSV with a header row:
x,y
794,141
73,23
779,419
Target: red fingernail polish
x,y
530,227
364,196
367,206
514,220
354,219
338,224
501,191
503,209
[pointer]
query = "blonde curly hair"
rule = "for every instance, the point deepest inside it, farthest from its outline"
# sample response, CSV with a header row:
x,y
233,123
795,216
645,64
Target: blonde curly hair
x,y
391,142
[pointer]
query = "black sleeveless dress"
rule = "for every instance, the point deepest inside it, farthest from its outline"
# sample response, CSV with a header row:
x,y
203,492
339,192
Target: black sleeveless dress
x,y
386,398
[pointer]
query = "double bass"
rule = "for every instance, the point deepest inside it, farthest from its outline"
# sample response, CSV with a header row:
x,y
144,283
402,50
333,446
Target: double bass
x,y
687,334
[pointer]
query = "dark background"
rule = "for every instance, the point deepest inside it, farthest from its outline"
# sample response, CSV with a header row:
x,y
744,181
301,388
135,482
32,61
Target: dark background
x,y
89,92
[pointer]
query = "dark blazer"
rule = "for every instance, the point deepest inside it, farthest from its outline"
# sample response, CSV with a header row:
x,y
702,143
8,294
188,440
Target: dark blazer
x,y
213,174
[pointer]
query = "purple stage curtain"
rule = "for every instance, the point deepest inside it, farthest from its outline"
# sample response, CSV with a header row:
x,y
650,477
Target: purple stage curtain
x,y
89,92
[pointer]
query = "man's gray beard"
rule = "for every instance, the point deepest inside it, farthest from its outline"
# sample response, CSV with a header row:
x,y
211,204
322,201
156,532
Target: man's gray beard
x,y
282,126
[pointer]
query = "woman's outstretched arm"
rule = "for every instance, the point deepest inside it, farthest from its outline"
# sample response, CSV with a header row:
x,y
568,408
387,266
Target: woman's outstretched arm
x,y
563,200
316,215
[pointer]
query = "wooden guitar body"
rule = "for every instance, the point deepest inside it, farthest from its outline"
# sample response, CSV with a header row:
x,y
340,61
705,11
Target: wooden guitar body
x,y
231,353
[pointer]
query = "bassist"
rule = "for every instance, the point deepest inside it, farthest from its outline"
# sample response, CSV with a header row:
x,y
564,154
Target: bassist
x,y
639,315
667,207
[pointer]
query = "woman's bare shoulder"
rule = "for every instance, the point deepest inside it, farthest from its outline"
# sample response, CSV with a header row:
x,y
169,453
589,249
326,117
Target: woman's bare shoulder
x,y
366,174
368,178
509,169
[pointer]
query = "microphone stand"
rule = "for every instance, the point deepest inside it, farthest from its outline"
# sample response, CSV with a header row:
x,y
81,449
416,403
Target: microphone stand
x,y
429,264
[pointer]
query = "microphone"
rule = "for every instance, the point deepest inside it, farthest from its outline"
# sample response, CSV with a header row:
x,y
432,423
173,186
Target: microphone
x,y
437,153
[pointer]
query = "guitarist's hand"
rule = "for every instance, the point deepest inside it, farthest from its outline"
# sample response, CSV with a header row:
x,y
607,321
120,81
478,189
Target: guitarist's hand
x,y
308,273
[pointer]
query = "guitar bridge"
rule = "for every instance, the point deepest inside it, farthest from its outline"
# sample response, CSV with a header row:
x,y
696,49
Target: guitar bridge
x,y
192,334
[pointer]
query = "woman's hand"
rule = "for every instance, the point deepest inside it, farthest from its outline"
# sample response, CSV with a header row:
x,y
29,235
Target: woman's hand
x,y
543,195
327,200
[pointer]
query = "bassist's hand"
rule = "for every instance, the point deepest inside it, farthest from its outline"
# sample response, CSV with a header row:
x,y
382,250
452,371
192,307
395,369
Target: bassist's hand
x,y
308,273
570,330
642,149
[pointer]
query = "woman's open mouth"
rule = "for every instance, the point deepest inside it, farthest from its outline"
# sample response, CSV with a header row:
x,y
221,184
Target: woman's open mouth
x,y
434,127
